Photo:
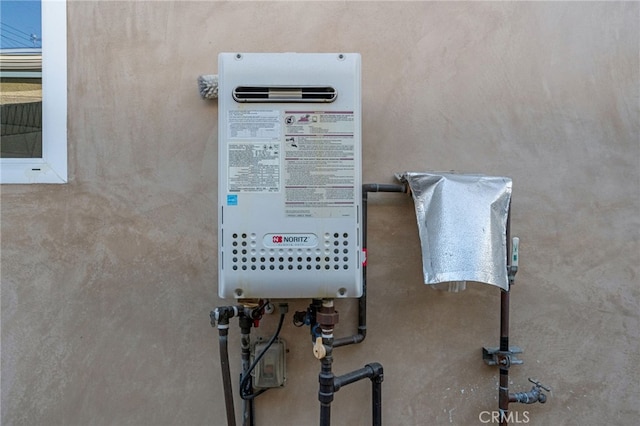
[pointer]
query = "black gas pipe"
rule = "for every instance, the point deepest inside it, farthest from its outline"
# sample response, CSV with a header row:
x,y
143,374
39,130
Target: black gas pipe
x,y
327,317
329,383
360,335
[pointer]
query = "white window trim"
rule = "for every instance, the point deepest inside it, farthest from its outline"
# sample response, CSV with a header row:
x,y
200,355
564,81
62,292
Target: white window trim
x,y
52,167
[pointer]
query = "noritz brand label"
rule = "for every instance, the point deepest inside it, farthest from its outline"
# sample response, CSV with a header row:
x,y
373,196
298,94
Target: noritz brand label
x,y
290,240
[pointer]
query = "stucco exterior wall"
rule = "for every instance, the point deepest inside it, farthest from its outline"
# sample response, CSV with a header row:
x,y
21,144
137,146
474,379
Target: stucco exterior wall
x,y
107,282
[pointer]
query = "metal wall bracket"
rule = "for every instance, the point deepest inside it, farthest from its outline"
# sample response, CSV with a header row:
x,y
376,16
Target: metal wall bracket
x,y
504,359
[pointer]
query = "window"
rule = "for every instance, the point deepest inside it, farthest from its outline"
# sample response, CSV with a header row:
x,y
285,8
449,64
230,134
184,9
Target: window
x,y
34,162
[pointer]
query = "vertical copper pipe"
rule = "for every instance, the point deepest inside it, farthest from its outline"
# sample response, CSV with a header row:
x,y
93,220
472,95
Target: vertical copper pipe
x,y
503,392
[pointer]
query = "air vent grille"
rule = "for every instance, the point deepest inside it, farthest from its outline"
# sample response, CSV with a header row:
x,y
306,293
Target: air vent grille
x,y
335,255
285,94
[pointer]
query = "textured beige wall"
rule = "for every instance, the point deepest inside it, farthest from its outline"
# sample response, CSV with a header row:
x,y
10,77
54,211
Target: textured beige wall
x,y
107,281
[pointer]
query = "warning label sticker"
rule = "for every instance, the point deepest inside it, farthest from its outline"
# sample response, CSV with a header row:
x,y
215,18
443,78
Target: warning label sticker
x,y
254,150
319,164
254,124
254,167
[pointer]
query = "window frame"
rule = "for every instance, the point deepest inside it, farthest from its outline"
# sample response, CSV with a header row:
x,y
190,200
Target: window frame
x,y
52,167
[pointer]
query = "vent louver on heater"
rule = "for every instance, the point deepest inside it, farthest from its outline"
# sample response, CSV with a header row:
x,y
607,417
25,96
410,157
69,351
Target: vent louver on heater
x,y
310,94
248,255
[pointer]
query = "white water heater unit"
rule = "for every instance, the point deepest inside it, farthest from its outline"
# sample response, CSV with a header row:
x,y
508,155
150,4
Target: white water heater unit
x,y
289,175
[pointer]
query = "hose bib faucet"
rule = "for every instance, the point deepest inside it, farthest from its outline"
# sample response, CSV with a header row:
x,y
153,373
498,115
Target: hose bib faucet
x,y
533,396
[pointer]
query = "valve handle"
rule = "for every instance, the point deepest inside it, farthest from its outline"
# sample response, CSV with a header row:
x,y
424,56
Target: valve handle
x,y
540,385
319,351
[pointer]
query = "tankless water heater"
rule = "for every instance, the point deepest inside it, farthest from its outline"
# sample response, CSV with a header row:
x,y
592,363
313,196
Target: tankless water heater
x,y
289,175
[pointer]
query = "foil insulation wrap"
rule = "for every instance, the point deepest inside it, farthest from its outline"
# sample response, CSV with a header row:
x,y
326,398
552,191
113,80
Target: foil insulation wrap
x,y
462,223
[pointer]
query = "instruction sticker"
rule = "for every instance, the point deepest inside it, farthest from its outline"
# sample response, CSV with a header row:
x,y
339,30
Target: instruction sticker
x,y
319,164
254,124
254,167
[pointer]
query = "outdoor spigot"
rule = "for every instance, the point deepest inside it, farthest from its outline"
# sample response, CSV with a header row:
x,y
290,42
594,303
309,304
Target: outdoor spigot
x,y
533,396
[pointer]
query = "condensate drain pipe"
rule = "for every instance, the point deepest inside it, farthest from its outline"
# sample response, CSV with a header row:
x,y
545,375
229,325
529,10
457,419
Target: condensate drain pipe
x,y
221,315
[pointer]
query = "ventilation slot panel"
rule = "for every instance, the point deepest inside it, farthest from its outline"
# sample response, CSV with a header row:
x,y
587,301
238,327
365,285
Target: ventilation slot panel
x,y
303,94
335,255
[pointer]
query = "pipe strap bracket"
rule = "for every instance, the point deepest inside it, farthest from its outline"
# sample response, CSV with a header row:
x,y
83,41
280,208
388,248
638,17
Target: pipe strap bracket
x,y
503,359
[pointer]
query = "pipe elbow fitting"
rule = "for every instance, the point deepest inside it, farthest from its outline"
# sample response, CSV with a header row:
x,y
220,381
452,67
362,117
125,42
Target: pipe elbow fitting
x,y
377,372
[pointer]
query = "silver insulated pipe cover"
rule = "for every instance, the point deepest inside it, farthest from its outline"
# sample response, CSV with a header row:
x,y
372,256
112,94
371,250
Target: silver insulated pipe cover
x,y
462,222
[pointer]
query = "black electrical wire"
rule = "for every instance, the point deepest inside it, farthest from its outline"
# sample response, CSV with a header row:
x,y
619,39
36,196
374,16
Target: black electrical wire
x,y
14,41
244,381
11,27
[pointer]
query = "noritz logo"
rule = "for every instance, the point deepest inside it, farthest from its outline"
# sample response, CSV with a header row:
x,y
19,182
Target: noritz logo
x,y
290,240
295,239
